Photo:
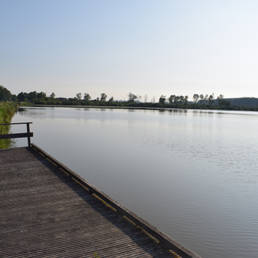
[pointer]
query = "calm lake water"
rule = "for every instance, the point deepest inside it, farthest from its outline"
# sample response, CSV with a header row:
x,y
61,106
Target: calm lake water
x,y
193,174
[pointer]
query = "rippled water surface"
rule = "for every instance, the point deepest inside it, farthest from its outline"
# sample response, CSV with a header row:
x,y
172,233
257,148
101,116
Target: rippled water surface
x,y
193,174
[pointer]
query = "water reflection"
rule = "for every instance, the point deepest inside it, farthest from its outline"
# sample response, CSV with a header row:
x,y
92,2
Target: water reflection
x,y
191,173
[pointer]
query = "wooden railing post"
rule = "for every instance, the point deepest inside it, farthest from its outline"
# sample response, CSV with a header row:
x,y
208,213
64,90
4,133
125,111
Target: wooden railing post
x,y
27,135
28,132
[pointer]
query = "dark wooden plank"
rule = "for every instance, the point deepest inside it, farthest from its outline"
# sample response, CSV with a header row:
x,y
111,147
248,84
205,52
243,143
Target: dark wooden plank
x,y
15,135
19,123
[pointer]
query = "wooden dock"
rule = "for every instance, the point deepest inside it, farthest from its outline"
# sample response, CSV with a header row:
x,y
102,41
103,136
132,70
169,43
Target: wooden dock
x,y
47,210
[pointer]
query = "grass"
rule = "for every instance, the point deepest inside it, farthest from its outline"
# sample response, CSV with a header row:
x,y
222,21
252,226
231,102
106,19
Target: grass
x,y
7,110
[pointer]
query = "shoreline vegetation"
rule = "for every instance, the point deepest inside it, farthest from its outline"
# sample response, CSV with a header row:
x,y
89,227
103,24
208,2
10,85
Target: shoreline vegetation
x,y
199,101
238,104
7,110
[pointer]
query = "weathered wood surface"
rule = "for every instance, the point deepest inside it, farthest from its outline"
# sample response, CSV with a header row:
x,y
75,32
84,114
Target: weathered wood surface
x,y
44,213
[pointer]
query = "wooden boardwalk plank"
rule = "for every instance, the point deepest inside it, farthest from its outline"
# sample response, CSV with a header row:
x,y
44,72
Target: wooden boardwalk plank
x,y
44,213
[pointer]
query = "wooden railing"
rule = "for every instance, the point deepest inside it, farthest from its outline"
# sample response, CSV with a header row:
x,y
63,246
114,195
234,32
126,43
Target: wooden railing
x,y
27,135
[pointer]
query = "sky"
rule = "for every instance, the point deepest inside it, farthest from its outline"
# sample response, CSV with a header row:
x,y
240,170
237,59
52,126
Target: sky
x,y
119,46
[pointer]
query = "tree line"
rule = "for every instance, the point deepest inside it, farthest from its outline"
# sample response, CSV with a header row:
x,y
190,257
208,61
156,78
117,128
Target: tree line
x,y
172,101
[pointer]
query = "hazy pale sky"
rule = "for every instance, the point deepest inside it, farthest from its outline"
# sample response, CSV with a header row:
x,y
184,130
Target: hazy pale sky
x,y
120,46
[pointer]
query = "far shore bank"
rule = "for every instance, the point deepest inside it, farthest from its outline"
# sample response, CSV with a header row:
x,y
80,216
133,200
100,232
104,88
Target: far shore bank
x,y
144,108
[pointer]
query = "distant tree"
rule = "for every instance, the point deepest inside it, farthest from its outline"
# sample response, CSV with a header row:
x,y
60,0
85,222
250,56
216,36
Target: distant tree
x,y
5,94
162,99
131,97
41,97
32,96
87,97
22,96
171,99
52,95
177,100
196,97
181,99
220,96
79,96
186,100
103,97
111,100
211,97
201,97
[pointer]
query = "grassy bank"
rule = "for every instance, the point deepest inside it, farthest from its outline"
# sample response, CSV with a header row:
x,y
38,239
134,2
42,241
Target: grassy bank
x,y
7,110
